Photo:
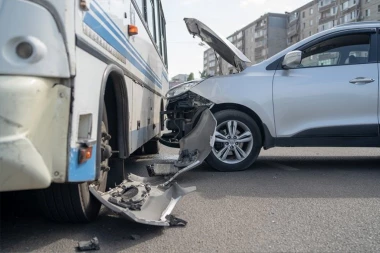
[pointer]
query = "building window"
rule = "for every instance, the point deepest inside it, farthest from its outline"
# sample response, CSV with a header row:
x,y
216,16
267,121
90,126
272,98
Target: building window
x,y
367,13
303,14
310,33
304,25
353,15
311,22
311,11
378,8
345,5
367,1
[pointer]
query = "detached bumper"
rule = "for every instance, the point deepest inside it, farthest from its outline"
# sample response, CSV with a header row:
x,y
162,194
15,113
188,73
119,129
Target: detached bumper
x,y
34,116
150,200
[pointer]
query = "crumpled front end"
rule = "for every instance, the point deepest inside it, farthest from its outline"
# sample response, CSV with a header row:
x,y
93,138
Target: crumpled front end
x,y
182,115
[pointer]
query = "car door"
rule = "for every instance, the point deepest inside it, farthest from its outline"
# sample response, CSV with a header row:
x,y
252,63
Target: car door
x,y
378,67
334,91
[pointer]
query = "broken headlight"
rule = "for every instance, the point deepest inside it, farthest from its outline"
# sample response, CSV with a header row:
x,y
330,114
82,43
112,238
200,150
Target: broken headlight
x,y
181,88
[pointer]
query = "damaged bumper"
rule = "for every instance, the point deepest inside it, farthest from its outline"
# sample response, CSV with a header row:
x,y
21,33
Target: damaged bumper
x,y
150,200
34,118
183,113
143,200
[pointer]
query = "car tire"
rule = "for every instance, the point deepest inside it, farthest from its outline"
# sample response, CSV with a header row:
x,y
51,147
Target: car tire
x,y
245,124
73,202
152,147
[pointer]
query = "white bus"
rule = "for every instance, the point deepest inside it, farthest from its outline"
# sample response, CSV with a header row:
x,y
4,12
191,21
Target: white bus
x,y
81,88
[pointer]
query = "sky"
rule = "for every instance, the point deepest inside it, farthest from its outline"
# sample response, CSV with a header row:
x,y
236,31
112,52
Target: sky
x,y
185,55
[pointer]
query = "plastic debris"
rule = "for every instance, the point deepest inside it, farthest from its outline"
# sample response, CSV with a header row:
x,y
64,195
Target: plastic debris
x,y
176,222
93,244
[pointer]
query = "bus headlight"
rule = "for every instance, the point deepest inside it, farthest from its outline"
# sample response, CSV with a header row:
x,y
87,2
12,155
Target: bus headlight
x,y
181,88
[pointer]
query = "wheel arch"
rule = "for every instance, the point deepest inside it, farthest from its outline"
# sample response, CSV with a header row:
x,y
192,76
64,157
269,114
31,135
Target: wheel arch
x,y
267,139
115,95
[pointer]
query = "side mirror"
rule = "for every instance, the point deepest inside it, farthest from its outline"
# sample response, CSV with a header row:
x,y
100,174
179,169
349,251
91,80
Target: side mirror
x,y
292,60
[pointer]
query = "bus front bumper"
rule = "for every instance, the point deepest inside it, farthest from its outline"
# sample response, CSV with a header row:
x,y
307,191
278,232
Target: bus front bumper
x,y
34,119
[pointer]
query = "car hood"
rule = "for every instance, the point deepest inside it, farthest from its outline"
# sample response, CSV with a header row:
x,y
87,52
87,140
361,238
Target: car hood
x,y
222,46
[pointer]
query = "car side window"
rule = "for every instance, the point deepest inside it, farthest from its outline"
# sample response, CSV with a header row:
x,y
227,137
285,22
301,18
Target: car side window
x,y
341,50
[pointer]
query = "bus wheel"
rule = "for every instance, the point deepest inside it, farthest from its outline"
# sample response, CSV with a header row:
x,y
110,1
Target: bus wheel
x,y
73,202
152,147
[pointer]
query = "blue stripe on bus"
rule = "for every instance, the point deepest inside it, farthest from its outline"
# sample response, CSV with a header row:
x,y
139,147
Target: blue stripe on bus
x,y
165,75
121,36
102,32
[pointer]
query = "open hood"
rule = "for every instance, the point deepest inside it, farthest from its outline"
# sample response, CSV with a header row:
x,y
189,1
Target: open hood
x,y
222,46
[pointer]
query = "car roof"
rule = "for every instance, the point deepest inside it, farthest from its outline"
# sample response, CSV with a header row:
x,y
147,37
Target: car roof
x,y
362,24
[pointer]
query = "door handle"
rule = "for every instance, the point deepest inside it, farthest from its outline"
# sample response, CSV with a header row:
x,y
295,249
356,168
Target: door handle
x,y
362,80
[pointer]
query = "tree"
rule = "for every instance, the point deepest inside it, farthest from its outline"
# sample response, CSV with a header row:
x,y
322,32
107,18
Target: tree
x,y
190,77
203,74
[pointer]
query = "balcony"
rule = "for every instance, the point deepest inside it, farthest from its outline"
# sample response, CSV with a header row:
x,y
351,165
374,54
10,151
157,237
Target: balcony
x,y
260,44
326,5
293,31
260,27
326,18
293,19
351,8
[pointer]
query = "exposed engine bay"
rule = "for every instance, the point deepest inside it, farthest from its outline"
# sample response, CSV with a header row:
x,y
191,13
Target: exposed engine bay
x,y
183,113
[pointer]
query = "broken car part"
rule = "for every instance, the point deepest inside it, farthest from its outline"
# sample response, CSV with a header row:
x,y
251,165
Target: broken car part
x,y
150,200
194,148
183,113
93,244
150,207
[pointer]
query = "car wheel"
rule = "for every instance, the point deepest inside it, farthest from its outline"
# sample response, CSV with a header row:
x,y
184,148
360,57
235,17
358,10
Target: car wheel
x,y
238,141
73,202
152,147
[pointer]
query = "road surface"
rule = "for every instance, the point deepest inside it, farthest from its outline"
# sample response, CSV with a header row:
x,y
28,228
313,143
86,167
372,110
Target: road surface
x,y
293,200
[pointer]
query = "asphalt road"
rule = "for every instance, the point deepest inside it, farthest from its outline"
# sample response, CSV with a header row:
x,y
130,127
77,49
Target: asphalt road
x,y
291,200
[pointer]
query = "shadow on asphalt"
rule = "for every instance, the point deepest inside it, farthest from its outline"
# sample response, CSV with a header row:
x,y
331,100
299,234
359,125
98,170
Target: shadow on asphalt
x,y
270,177
292,177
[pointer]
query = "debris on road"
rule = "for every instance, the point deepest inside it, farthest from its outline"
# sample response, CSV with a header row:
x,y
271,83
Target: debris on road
x,y
93,244
176,222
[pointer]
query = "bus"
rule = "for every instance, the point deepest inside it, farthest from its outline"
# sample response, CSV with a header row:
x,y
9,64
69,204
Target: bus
x,y
81,88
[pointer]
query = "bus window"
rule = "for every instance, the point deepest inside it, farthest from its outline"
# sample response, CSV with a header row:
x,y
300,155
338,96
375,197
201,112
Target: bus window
x,y
163,39
157,21
150,17
140,3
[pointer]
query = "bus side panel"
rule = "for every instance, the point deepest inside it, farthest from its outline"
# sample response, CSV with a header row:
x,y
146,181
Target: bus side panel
x,y
145,112
87,86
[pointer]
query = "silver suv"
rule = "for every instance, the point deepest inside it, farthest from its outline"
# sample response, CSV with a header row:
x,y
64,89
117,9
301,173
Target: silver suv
x,y
320,92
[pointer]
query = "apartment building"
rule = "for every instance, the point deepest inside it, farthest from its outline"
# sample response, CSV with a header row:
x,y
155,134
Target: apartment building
x,y
336,12
209,62
302,22
265,36
274,32
370,10
258,40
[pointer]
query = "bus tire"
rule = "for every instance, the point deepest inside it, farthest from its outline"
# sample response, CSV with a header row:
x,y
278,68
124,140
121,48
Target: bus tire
x,y
73,202
152,147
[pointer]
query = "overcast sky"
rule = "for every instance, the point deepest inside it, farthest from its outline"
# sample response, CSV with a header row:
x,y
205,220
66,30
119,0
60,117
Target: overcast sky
x,y
223,16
